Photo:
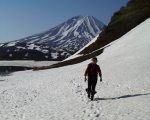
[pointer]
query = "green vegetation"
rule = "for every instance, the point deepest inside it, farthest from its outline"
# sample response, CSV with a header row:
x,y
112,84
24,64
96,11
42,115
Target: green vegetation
x,y
121,22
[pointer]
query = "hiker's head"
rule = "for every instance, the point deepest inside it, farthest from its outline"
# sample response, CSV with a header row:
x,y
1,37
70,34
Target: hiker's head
x,y
94,60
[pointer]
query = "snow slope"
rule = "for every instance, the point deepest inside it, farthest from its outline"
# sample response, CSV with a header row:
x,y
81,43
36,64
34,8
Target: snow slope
x,y
59,94
77,53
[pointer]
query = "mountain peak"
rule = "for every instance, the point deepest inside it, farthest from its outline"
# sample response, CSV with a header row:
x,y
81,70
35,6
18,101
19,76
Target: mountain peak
x,y
63,40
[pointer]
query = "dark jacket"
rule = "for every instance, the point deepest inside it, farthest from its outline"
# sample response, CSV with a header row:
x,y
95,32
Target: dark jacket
x,y
89,71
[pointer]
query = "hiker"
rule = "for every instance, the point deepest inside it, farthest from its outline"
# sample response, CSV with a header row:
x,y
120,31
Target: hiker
x,y
92,72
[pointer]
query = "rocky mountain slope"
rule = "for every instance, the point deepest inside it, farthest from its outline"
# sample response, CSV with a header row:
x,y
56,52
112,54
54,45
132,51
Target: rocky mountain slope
x,y
57,43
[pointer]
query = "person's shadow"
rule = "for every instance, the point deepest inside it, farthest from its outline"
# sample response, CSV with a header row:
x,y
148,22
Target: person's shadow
x,y
121,97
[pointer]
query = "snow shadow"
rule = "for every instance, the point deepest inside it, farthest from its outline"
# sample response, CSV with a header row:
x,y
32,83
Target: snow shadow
x,y
121,97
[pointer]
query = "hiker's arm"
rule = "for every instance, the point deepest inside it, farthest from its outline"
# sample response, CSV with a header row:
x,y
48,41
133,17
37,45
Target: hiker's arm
x,y
100,73
86,72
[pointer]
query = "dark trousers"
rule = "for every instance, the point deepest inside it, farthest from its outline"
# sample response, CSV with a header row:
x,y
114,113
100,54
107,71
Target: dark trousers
x,y
92,80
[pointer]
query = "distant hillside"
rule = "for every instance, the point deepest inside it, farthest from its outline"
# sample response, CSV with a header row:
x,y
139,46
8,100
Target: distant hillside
x,y
135,12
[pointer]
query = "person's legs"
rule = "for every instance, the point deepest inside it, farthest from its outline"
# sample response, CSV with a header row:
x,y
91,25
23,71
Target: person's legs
x,y
89,84
89,89
94,81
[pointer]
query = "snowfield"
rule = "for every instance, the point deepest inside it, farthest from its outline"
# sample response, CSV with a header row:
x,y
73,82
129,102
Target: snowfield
x,y
59,94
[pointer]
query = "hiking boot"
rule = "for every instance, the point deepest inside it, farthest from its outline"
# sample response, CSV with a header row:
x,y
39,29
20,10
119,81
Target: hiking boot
x,y
88,92
92,94
89,95
92,97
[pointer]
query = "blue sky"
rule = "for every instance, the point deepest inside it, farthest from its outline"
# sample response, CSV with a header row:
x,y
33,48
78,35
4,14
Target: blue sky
x,y
21,18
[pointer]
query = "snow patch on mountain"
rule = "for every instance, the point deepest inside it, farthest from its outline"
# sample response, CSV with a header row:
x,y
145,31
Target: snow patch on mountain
x,y
1,44
11,44
77,53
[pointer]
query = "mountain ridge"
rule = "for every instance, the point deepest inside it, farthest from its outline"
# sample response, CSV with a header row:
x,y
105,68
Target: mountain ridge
x,y
58,42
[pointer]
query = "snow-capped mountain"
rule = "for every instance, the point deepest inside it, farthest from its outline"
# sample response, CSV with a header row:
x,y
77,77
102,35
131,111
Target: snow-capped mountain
x,y
59,42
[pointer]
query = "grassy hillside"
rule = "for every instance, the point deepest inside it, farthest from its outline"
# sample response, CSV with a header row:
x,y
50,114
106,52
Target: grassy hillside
x,y
135,12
